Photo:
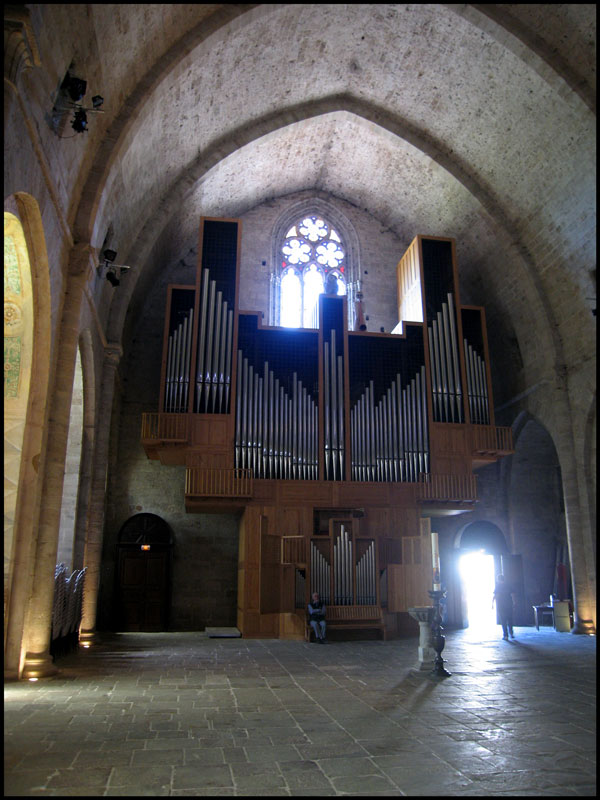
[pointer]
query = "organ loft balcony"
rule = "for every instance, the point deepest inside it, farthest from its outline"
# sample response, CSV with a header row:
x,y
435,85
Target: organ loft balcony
x,y
325,414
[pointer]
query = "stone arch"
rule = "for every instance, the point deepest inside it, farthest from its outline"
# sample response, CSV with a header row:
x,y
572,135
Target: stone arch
x,y
25,218
536,507
86,352
145,528
369,114
329,211
79,458
68,507
481,535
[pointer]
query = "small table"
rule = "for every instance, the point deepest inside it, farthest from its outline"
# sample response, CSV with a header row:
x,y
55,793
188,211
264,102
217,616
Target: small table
x,y
539,612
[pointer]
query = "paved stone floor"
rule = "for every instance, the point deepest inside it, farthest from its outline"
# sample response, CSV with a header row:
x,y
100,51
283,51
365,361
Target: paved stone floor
x,y
183,714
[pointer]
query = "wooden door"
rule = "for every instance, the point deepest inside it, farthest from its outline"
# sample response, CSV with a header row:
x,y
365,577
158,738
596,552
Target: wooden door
x,y
142,596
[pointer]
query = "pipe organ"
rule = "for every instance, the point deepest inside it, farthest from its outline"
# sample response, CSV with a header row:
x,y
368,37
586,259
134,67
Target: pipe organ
x,y
324,421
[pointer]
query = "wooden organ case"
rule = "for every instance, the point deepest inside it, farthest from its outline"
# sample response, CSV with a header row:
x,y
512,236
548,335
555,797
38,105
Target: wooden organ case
x,y
337,448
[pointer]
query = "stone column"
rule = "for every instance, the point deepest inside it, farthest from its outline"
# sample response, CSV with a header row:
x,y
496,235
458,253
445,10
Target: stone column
x,y
38,626
582,566
424,616
95,527
20,45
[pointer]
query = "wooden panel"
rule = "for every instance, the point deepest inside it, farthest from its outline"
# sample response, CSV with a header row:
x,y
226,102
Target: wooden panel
x,y
288,578
291,626
270,573
269,625
396,587
409,582
290,521
449,439
294,550
410,297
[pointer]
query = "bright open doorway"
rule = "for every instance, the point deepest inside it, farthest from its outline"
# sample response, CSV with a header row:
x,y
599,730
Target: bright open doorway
x,y
478,580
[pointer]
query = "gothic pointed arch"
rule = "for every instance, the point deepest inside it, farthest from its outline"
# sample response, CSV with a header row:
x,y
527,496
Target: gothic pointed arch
x,y
322,209
27,348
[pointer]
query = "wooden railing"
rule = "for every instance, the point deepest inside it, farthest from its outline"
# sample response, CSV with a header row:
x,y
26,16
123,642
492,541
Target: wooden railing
x,y
491,439
447,487
165,427
209,482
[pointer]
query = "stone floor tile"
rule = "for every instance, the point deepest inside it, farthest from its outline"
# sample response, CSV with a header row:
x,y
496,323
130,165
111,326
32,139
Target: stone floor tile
x,y
170,757
90,776
201,777
336,767
147,777
354,703
368,784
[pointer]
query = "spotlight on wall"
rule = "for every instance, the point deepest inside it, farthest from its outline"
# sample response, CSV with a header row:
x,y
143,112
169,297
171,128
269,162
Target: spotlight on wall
x,y
71,92
73,87
111,277
79,122
113,271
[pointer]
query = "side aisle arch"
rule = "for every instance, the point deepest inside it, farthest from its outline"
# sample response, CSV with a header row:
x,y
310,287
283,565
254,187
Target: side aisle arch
x,y
27,347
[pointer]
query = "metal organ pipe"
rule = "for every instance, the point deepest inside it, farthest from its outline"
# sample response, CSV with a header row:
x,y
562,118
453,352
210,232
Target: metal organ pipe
x,y
476,386
178,366
327,432
366,593
445,365
228,355
202,337
276,435
391,439
455,359
333,407
213,373
340,399
210,324
221,366
319,573
188,358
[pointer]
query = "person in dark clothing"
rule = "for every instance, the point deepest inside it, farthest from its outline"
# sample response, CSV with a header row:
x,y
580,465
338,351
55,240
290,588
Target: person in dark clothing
x,y
316,617
504,605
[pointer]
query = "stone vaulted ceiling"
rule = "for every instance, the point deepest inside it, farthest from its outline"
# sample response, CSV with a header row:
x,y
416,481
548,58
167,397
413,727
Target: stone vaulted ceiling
x,y
470,121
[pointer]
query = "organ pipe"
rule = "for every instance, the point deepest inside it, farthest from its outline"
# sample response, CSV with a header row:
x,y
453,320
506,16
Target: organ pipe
x,y
391,438
320,573
445,365
333,408
476,386
178,366
276,434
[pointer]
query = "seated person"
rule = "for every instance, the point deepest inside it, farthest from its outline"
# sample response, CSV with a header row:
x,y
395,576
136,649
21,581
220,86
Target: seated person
x,y
316,617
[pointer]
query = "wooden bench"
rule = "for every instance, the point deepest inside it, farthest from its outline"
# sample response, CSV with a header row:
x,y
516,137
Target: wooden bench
x,y
351,618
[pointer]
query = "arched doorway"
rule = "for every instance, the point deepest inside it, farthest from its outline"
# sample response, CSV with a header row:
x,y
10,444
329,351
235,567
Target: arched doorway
x,y
482,553
143,574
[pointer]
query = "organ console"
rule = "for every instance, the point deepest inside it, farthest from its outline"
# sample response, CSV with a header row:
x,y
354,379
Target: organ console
x,y
297,429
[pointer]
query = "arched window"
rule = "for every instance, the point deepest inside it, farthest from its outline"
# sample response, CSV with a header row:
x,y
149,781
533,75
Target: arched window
x,y
313,256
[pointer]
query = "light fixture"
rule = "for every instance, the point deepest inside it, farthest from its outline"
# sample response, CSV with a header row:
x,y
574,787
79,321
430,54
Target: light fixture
x,y
73,87
72,91
79,122
113,271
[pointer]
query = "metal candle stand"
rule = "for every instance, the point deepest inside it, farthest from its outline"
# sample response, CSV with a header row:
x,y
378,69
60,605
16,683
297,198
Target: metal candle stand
x,y
439,640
